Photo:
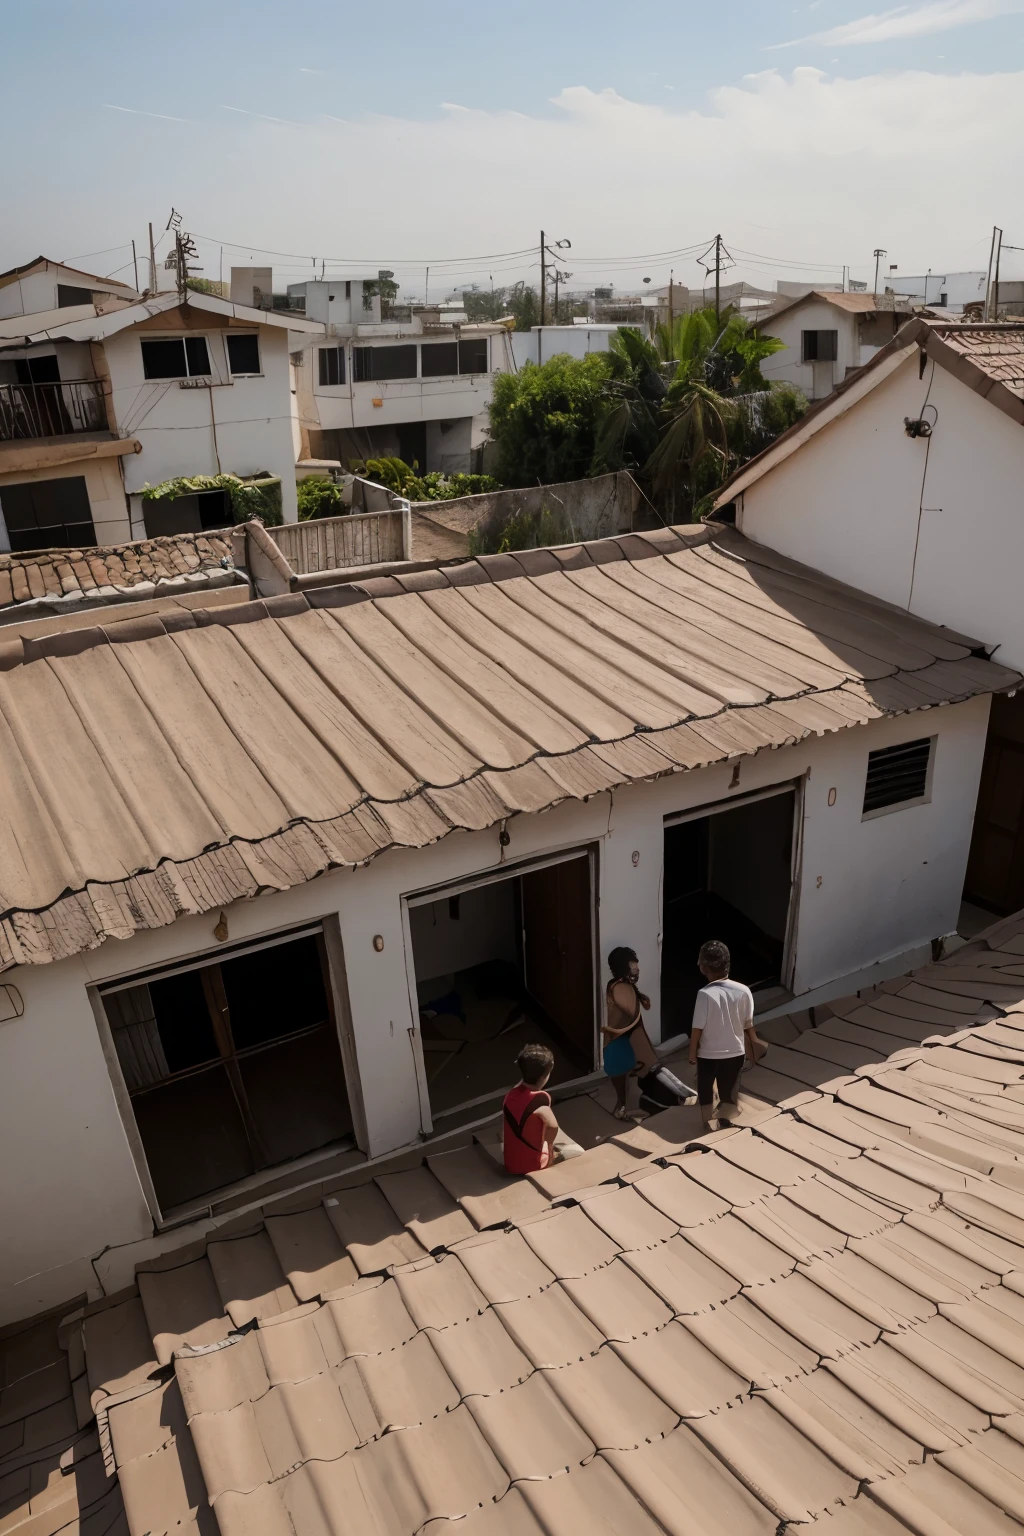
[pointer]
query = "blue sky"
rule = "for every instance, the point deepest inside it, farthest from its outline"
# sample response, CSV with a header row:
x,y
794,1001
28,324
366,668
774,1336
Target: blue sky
x,y
403,134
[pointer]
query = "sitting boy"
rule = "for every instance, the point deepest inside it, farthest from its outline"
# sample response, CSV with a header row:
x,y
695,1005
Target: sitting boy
x,y
532,1138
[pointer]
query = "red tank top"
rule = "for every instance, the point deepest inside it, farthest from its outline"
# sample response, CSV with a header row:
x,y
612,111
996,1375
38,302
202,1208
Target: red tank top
x,y
525,1150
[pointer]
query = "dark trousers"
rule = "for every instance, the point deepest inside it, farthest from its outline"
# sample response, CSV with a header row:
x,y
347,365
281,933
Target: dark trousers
x,y
725,1070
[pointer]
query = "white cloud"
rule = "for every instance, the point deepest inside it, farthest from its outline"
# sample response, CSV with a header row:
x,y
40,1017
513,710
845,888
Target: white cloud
x,y
907,21
919,163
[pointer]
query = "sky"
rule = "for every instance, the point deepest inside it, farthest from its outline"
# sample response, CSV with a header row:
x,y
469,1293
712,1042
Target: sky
x,y
343,138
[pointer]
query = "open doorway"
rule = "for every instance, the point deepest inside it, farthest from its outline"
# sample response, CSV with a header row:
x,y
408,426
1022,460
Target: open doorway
x,y
500,964
995,869
728,876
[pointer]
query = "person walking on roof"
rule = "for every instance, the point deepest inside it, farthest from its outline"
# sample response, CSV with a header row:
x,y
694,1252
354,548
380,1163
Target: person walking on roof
x,y
723,1034
533,1138
627,1046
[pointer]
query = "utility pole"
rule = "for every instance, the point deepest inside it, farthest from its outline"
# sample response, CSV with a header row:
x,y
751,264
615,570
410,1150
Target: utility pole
x,y
671,314
135,264
718,280
152,263
543,278
995,282
987,313
878,253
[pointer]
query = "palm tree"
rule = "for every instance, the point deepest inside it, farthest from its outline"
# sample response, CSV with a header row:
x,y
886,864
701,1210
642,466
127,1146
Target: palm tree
x,y
634,392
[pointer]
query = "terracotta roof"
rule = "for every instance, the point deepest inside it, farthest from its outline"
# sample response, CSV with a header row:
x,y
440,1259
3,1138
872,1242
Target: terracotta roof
x,y
57,579
987,358
815,1317
314,730
853,303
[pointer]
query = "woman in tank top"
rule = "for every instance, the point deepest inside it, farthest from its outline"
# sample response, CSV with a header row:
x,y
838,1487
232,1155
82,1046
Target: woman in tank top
x,y
627,1047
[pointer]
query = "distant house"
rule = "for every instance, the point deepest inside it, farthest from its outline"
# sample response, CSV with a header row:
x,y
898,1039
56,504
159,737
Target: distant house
x,y
827,335
100,399
906,482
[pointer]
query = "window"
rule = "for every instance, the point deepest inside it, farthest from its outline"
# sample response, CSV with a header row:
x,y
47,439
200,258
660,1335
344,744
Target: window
x,y
231,1067
898,775
473,355
820,346
178,357
440,359
48,514
332,365
68,296
378,363
243,353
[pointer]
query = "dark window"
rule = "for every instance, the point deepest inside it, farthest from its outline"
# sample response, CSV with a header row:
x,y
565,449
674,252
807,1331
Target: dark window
x,y
178,357
37,370
378,363
440,359
48,514
194,513
820,346
67,296
231,1067
332,365
473,355
897,774
243,353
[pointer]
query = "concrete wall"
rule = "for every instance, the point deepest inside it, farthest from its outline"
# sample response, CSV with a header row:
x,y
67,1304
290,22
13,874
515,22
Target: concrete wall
x,y
815,380
850,500
106,495
593,509
545,342
69,1189
236,426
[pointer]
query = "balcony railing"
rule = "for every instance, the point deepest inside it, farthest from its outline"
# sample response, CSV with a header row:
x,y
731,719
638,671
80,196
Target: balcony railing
x,y
51,410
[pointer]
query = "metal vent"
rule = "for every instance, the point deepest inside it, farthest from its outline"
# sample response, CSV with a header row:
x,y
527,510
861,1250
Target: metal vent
x,y
897,774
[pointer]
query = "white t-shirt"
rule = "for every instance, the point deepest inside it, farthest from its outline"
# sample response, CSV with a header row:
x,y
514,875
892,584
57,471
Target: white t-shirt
x,y
723,1010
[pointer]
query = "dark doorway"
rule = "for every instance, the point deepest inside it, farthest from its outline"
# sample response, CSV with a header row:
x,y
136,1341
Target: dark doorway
x,y
196,513
728,876
499,966
412,444
231,1067
995,869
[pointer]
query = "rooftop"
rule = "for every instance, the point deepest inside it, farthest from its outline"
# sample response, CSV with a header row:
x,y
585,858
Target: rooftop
x,y
813,1317
314,730
57,580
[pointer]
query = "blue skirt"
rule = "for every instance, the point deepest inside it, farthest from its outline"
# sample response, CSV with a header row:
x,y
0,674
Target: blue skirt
x,y
619,1058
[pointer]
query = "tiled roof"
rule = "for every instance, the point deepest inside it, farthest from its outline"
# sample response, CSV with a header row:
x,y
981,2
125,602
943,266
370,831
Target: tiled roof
x,y
814,1318
56,579
312,731
997,351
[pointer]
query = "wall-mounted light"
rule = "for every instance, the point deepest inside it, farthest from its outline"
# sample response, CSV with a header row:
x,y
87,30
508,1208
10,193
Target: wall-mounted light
x,y
831,797
636,857
378,942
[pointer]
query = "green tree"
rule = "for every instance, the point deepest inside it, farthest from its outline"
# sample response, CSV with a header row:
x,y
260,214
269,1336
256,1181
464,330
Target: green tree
x,y
523,305
634,393
545,420
485,303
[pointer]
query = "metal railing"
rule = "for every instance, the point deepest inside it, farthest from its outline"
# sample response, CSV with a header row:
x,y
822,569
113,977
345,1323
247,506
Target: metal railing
x,y
51,410
336,543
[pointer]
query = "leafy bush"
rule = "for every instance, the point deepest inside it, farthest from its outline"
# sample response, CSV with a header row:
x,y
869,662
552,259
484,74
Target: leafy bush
x,y
398,477
544,420
521,530
318,496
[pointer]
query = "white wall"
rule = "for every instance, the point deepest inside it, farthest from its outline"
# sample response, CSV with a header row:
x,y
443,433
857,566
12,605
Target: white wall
x,y
818,380
235,426
484,930
545,342
849,500
30,295
868,890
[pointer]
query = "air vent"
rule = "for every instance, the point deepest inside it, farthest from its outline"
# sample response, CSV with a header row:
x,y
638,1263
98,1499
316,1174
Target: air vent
x,y
897,775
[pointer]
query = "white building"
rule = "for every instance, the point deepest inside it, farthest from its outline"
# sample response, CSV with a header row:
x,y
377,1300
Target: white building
x,y
907,483
416,388
543,342
98,401
950,290
828,335
320,926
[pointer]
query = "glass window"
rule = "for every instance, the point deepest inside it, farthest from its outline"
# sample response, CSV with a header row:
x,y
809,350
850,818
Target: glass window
x,y
68,297
820,346
439,359
379,363
473,355
177,357
243,353
48,514
332,365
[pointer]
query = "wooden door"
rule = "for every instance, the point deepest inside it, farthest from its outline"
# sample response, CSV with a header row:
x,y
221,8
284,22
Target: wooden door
x,y
995,869
558,956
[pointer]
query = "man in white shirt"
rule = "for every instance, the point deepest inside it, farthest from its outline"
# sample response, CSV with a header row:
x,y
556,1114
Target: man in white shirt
x,y
722,1035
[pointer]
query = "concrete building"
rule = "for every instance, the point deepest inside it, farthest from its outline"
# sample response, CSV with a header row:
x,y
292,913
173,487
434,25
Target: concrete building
x,y
906,483
98,401
318,929
828,335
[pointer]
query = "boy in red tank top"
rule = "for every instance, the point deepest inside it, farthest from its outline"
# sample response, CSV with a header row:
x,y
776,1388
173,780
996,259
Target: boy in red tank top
x,y
532,1136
